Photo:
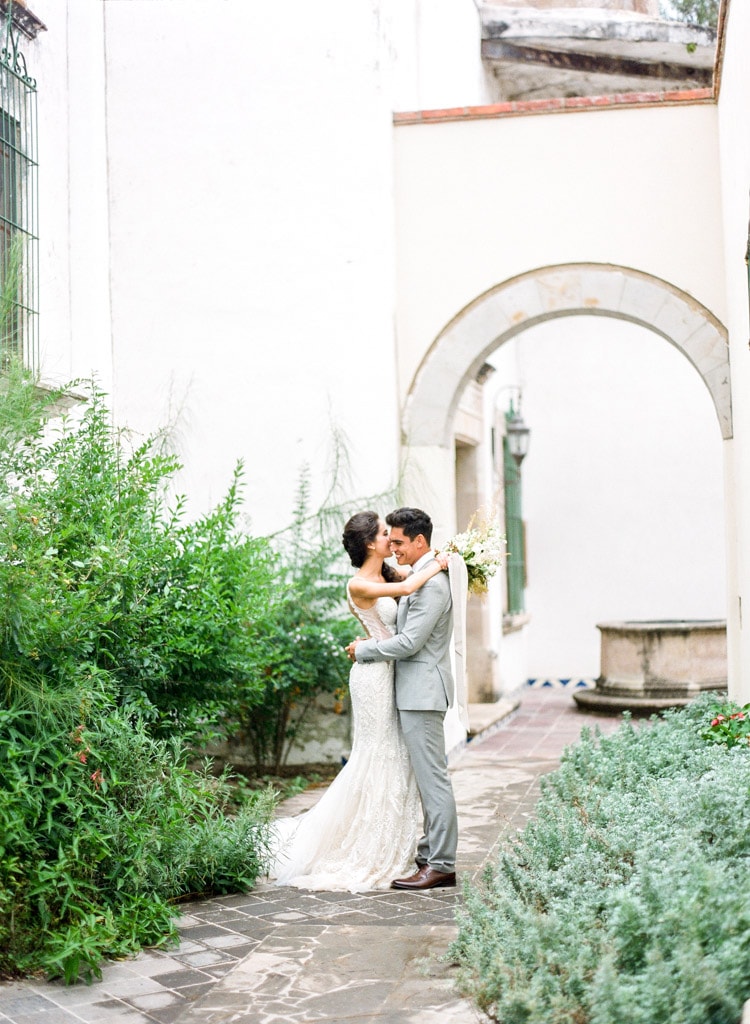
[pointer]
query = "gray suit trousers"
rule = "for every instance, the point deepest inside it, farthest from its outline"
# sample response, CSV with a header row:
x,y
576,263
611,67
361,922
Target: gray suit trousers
x,y
425,741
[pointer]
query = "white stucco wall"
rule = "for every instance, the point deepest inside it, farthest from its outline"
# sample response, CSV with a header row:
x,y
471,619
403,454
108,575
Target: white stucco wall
x,y
481,201
436,54
734,148
68,62
252,240
216,208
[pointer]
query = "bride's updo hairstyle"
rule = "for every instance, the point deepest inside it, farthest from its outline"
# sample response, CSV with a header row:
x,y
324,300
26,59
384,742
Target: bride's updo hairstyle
x,y
359,531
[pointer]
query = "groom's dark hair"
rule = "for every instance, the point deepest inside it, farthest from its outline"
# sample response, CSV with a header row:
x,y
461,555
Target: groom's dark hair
x,y
412,521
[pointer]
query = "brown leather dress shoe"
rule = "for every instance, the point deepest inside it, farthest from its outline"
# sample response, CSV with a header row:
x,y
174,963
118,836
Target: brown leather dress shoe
x,y
407,883
426,878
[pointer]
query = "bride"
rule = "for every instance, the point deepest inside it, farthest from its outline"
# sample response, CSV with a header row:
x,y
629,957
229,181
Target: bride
x,y
363,832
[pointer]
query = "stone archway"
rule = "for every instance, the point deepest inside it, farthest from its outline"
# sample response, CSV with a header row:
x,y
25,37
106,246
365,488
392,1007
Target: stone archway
x,y
512,307
569,290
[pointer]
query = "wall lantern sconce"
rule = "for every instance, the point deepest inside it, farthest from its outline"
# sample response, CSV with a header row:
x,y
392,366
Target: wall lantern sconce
x,y
517,434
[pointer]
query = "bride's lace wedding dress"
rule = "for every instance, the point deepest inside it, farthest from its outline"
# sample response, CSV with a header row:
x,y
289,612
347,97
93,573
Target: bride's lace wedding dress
x,y
363,831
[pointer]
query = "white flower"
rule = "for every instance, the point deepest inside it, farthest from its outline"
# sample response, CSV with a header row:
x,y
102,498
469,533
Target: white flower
x,y
482,547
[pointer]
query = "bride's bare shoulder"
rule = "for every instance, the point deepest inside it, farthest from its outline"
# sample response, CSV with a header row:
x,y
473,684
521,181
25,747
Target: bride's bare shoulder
x,y
359,594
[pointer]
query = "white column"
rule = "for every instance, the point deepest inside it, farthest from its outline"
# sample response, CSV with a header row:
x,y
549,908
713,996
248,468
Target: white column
x,y
734,611
429,483
90,318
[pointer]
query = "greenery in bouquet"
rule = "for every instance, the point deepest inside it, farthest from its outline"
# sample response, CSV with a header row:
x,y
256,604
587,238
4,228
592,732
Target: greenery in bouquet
x,y
482,547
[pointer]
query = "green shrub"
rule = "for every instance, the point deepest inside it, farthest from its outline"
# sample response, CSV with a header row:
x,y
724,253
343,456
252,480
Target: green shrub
x,y
194,624
626,898
96,569
102,829
125,631
120,623
694,12
300,649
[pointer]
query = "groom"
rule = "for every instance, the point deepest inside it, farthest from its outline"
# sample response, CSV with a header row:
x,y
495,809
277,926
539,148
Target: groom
x,y
424,692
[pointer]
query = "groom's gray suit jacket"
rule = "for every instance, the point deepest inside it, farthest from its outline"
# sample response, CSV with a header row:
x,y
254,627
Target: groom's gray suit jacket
x,y
421,647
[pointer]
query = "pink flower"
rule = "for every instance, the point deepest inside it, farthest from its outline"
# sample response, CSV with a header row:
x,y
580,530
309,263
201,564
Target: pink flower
x,y
97,778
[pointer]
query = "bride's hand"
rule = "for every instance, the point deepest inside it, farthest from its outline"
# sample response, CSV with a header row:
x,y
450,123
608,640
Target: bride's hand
x,y
351,648
443,559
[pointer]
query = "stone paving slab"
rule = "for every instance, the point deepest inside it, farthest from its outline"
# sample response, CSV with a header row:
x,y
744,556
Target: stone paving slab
x,y
279,954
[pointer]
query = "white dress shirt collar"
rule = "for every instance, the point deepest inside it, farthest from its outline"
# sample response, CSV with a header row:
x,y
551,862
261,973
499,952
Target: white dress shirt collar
x,y
422,562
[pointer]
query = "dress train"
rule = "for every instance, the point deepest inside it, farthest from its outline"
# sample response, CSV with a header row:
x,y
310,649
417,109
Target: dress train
x,y
363,832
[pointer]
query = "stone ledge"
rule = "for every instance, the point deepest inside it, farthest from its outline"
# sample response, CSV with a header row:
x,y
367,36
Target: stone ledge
x,y
485,718
595,700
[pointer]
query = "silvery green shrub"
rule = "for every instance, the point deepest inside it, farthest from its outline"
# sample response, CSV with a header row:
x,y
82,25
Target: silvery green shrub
x,y
626,898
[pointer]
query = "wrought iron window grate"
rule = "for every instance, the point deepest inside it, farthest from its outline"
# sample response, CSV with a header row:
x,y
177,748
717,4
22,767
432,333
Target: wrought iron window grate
x,y
19,240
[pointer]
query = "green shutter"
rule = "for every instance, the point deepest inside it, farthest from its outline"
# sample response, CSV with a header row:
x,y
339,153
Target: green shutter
x,y
515,565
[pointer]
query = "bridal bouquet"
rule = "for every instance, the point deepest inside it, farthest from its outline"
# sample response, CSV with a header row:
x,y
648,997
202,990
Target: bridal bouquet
x,y
482,547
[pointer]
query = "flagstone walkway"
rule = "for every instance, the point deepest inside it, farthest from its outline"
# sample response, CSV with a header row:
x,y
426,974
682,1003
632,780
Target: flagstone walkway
x,y
278,955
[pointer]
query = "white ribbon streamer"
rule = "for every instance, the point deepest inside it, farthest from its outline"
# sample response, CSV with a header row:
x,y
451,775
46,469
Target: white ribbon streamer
x,y
459,581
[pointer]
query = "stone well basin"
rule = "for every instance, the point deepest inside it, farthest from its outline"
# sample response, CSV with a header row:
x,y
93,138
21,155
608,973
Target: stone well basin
x,y
651,665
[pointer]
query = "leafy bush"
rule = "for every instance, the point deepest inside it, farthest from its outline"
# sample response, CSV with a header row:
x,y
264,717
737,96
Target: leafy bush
x,y
194,624
125,630
95,570
626,898
102,829
119,623
695,12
